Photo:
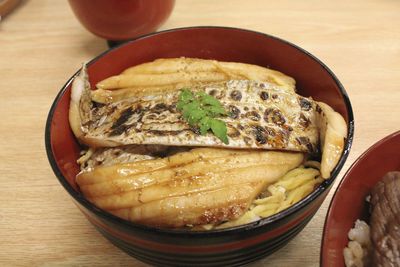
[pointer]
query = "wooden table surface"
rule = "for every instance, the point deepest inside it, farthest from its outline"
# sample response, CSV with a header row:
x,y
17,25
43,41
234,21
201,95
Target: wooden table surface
x,y
42,45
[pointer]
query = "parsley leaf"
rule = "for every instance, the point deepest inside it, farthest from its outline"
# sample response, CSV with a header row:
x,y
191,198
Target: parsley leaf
x,y
214,111
185,97
219,129
205,125
201,110
208,99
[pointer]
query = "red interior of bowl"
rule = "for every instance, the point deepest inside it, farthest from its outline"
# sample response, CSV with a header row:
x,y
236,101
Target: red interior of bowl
x,y
348,203
228,44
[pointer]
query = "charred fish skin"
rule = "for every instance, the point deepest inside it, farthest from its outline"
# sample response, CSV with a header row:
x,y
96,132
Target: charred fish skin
x,y
108,156
82,111
261,116
80,103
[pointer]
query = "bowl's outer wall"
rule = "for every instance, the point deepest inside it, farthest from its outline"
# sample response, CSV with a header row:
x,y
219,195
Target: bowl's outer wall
x,y
237,248
210,243
228,44
348,203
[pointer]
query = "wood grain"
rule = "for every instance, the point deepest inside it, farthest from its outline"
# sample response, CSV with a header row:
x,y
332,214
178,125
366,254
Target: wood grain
x,y
42,45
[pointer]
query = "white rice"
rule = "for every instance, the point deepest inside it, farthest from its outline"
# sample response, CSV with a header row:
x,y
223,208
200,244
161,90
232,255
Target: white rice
x,y
357,250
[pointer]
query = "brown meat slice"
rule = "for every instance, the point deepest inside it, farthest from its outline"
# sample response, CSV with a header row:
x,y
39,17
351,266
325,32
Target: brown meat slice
x,y
385,221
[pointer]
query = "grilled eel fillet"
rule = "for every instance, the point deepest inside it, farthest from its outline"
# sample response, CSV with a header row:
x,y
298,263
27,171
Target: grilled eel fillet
x,y
174,73
261,116
201,186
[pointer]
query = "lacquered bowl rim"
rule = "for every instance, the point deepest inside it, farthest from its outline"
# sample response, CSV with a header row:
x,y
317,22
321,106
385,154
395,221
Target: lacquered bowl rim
x,y
260,223
346,177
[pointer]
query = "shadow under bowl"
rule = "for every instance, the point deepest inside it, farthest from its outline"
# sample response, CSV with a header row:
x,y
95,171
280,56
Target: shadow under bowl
x,y
233,246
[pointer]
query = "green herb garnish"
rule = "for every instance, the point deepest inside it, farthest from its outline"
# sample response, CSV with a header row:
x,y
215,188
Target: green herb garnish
x,y
200,110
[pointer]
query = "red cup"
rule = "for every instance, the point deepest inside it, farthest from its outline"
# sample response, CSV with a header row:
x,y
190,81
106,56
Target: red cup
x,y
119,20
